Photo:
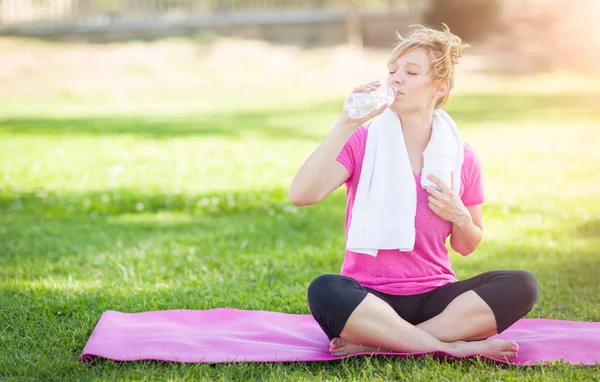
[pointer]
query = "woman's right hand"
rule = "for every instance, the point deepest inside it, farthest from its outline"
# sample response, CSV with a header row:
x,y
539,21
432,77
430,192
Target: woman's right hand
x,y
321,173
354,123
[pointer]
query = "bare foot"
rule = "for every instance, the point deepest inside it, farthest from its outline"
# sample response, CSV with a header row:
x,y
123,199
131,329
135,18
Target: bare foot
x,y
339,347
494,348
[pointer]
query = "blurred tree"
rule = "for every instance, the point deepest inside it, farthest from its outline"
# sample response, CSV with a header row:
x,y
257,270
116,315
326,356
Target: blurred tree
x,y
470,19
353,24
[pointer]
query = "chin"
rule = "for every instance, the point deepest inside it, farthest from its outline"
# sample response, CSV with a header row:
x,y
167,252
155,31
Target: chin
x,y
399,108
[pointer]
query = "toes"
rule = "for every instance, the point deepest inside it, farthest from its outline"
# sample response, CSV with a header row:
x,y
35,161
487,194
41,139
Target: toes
x,y
335,343
508,355
508,346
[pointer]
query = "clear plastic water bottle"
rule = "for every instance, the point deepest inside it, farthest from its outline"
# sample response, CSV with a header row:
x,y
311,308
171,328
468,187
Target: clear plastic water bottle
x,y
358,105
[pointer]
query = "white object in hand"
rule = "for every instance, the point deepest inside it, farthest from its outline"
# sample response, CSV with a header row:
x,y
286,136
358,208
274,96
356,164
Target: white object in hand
x,y
359,104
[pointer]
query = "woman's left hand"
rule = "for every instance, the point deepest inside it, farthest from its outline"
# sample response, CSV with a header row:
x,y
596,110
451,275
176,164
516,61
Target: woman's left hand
x,y
447,204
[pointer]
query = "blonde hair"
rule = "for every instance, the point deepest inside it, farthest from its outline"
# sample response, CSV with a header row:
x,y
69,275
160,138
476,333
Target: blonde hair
x,y
443,48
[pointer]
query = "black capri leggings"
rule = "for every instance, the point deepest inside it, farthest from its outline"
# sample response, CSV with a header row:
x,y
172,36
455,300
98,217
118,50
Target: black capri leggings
x,y
510,295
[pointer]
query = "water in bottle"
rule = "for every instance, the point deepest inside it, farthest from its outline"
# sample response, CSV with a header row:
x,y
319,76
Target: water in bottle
x,y
358,105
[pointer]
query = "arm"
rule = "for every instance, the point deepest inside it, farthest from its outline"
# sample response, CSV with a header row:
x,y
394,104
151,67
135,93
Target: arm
x,y
467,222
467,232
321,173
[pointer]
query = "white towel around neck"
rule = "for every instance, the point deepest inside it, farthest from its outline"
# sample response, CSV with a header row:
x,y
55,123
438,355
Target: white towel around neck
x,y
383,215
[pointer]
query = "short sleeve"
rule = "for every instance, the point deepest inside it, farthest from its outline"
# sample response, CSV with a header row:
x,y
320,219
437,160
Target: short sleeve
x,y
472,179
353,149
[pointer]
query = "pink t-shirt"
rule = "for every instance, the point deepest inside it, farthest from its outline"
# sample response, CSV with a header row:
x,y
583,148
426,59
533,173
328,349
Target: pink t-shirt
x,y
428,265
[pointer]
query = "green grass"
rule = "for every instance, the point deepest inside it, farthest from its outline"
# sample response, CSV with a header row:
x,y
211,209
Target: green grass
x,y
183,209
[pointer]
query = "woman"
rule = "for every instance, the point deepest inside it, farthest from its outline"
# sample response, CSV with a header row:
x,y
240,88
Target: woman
x,y
411,301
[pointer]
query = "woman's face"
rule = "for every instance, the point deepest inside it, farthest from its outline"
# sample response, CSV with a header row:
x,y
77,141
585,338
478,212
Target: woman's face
x,y
410,74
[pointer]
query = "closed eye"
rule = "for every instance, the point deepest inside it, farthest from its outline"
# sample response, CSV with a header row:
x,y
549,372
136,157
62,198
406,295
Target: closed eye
x,y
411,73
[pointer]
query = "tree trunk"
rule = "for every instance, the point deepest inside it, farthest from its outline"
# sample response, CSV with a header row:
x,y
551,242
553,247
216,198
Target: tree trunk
x,y
353,24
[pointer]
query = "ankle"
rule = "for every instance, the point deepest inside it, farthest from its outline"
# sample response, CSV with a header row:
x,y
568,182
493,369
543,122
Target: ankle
x,y
455,347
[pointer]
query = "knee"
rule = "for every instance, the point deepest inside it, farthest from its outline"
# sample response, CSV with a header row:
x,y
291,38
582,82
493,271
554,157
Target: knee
x,y
527,287
331,299
333,293
320,291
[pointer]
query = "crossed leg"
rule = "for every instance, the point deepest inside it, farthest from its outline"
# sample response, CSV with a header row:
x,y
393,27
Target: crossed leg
x,y
461,327
375,326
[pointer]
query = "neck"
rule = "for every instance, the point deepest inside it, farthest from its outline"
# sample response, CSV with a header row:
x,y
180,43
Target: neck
x,y
416,128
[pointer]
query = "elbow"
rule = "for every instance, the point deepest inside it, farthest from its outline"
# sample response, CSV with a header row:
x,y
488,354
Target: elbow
x,y
300,202
467,250
463,250
465,246
298,199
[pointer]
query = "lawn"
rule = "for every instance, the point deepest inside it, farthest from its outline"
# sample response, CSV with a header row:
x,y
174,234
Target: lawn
x,y
187,208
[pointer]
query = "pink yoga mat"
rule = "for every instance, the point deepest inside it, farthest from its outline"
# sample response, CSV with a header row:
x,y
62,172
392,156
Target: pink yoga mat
x,y
232,335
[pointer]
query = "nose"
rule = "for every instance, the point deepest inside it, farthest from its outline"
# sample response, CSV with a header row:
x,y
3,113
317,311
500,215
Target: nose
x,y
396,79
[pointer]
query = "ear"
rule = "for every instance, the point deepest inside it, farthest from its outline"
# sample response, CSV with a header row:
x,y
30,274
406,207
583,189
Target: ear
x,y
442,89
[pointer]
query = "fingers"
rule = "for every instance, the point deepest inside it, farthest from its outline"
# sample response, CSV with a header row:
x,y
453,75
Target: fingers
x,y
376,112
439,183
433,192
434,208
368,87
435,202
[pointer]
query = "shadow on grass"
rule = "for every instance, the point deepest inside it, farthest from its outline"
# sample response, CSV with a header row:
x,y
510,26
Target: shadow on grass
x,y
286,124
232,223
127,201
218,234
589,229
227,236
475,108
167,125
